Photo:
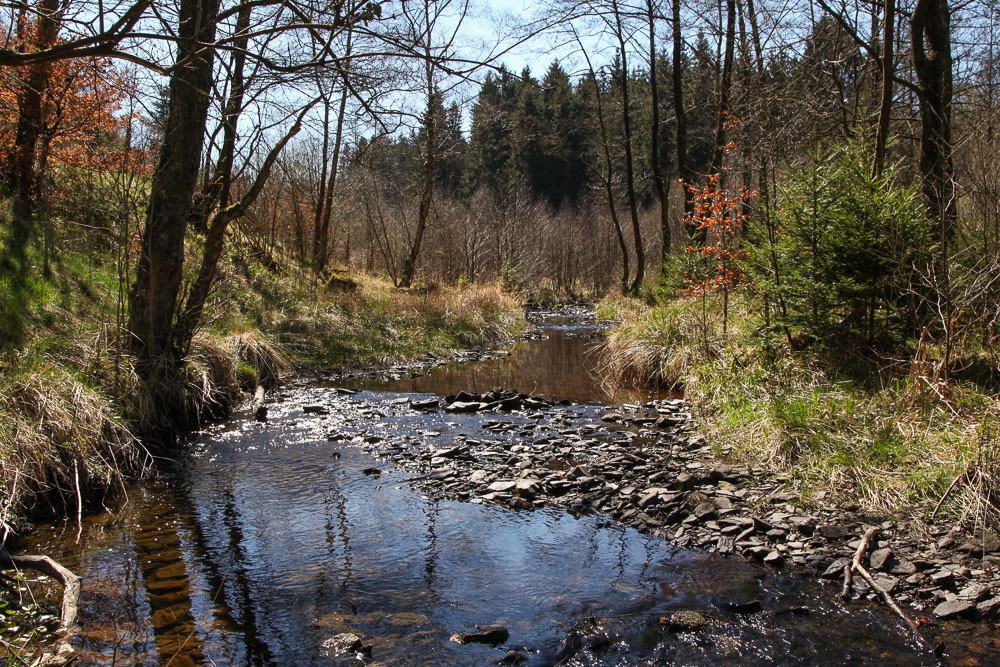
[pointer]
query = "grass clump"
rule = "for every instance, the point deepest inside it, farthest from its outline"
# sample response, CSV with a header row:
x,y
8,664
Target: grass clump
x,y
868,431
61,439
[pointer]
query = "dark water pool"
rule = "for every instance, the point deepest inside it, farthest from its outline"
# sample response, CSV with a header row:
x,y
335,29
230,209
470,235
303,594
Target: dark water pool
x,y
267,540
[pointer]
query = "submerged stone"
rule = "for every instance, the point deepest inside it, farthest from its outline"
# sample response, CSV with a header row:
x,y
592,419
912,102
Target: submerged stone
x,y
488,634
684,621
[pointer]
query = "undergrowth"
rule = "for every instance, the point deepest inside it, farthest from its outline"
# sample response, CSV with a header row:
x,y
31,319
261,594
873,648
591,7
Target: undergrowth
x,y
871,431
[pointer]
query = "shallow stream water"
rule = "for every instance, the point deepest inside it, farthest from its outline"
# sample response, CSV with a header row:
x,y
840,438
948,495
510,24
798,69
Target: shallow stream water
x,y
266,540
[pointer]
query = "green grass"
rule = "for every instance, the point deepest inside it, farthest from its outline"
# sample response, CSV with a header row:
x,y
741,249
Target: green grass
x,y
870,435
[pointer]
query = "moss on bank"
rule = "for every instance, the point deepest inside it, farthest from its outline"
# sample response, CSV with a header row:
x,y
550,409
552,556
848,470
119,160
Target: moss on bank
x,y
68,391
886,435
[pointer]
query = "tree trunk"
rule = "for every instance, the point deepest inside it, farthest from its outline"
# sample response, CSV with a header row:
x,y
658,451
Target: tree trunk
x,y
189,319
30,124
640,253
930,41
662,189
217,191
678,80
888,71
409,266
608,170
724,85
154,294
609,191
931,46
322,232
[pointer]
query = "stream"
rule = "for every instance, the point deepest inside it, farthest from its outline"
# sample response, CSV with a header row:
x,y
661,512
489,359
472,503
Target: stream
x,y
267,540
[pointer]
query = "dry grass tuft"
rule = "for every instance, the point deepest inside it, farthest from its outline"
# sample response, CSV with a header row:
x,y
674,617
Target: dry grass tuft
x,y
260,353
659,346
59,438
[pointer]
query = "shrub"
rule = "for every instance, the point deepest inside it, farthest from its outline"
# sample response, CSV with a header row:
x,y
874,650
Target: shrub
x,y
846,248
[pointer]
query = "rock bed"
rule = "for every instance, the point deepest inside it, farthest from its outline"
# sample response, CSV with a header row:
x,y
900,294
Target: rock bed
x,y
647,467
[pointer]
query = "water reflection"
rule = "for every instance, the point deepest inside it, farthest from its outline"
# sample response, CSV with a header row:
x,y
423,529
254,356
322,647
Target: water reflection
x,y
561,366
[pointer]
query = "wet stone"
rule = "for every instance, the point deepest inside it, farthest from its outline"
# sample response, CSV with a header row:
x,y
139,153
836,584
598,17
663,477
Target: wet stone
x,y
684,621
749,607
489,634
904,568
427,405
954,609
836,569
722,503
774,559
989,608
346,642
833,531
684,481
704,511
511,658
888,583
974,592
461,407
943,578
502,486
528,488
882,559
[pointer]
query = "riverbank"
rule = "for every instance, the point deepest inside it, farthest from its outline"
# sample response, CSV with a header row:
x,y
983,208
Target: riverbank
x,y
888,435
838,441
67,393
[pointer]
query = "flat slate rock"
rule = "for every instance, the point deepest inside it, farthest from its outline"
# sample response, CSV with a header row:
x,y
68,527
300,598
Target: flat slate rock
x,y
954,609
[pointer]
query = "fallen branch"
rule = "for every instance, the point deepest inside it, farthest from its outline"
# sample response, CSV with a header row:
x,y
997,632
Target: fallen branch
x,y
884,594
70,582
856,566
855,563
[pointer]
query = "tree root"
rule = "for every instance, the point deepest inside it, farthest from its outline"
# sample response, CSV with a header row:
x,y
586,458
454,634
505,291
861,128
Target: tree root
x,y
70,583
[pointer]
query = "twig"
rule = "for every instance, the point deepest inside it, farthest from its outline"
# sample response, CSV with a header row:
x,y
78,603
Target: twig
x,y
79,501
6,509
951,487
848,580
